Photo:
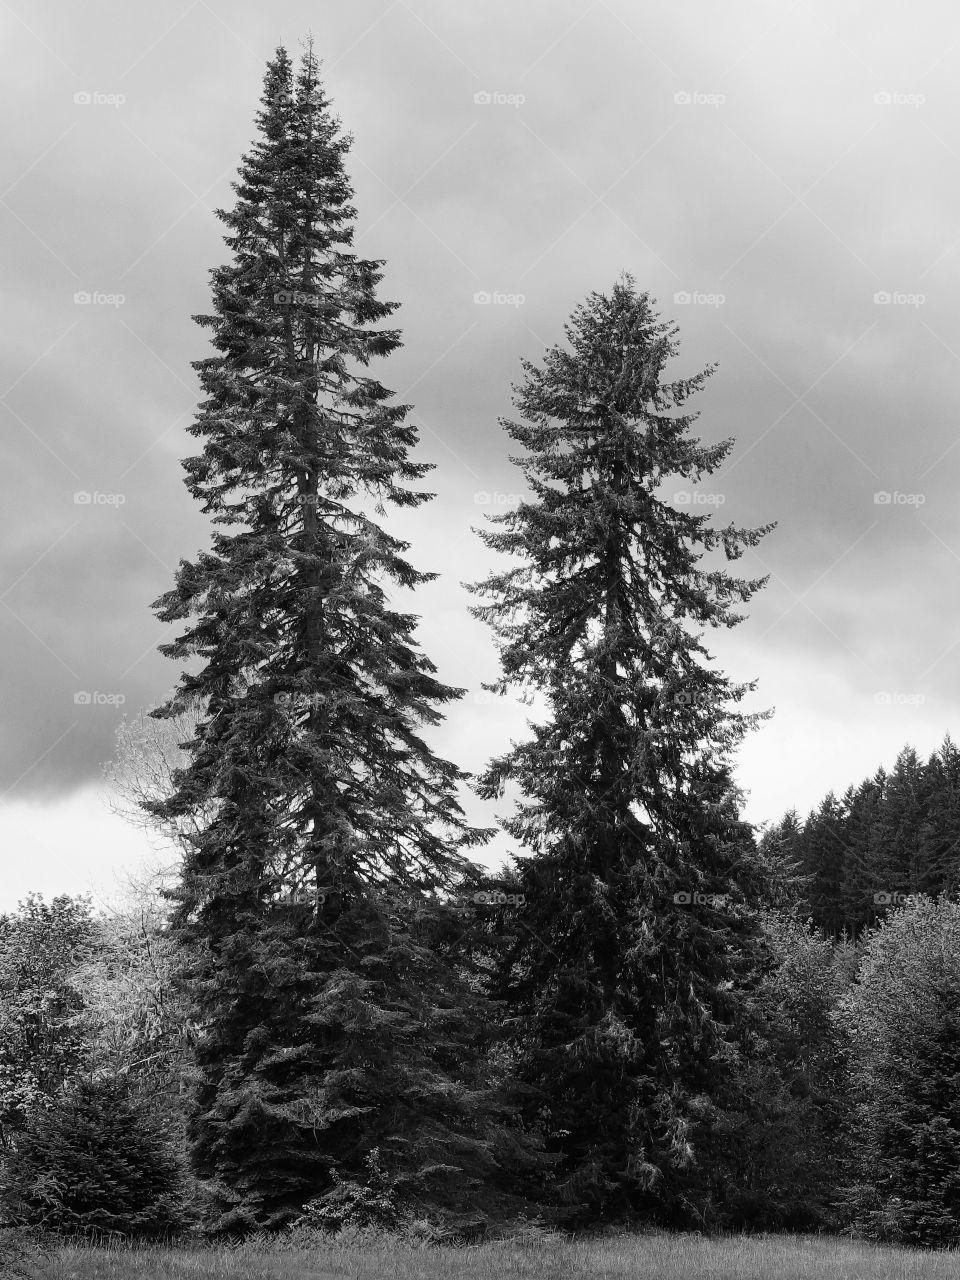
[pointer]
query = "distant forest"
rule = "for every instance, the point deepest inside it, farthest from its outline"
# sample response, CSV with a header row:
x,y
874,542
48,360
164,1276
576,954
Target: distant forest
x,y
894,834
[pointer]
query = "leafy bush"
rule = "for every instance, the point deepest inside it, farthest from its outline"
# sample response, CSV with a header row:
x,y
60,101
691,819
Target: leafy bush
x,y
42,1041
903,1017
354,1204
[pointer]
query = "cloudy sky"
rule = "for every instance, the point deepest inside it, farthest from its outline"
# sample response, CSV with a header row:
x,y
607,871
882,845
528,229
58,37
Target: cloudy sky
x,y
784,179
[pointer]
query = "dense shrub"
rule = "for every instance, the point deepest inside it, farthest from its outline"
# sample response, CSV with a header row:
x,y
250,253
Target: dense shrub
x,y
774,1158
903,1017
93,1164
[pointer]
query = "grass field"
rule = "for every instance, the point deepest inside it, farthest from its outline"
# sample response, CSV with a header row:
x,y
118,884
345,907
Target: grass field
x,y
639,1257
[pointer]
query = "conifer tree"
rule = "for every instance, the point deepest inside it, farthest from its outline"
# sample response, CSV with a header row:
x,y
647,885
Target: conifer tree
x,y
779,850
894,834
825,853
640,881
325,830
939,834
857,877
94,1162
898,834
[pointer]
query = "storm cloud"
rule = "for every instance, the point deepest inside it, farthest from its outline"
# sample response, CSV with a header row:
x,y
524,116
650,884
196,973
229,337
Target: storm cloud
x,y
784,180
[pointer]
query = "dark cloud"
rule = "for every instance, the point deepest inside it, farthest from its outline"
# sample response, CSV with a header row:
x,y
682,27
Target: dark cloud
x,y
783,168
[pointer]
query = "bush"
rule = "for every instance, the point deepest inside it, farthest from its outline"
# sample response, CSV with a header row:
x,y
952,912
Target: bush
x,y
93,1164
354,1204
903,1016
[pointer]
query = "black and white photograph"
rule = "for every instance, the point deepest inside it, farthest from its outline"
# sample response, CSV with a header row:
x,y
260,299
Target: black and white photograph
x,y
480,634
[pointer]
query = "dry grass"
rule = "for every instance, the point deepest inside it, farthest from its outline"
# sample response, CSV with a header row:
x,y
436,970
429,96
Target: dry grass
x,y
639,1257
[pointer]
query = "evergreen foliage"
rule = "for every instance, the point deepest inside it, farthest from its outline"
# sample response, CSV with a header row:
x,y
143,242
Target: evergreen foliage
x,y
895,834
93,1164
327,832
783,1154
903,1020
625,995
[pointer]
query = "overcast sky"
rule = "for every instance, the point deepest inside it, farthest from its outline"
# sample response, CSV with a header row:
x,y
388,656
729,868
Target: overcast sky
x,y
784,179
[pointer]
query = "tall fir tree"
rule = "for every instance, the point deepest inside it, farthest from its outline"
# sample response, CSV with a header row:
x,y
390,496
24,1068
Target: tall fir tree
x,y
779,849
328,831
640,882
939,834
825,856
898,832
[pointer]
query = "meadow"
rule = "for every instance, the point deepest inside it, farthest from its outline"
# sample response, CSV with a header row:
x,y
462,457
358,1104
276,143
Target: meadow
x,y
653,1256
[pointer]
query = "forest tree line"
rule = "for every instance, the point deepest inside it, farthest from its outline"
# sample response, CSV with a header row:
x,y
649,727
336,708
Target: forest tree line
x,y
893,835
